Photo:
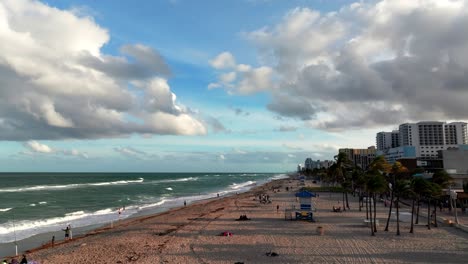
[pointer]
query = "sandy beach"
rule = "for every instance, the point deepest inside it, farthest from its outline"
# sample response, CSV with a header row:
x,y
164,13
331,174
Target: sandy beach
x,y
192,235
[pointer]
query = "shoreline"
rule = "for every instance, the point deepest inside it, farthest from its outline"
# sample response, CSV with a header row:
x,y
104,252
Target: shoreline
x,y
42,241
192,234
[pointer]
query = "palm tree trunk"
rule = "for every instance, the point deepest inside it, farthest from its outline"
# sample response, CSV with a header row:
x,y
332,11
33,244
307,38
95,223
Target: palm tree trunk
x,y
435,214
344,208
389,211
412,216
429,214
367,207
360,201
370,219
347,203
417,212
375,213
397,215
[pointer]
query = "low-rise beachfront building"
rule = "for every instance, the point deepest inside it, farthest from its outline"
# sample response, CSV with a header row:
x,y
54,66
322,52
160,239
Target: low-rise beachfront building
x,y
394,154
360,157
310,164
325,164
455,163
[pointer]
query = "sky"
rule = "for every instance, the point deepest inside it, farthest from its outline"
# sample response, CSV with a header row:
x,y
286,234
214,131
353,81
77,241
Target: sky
x,y
218,85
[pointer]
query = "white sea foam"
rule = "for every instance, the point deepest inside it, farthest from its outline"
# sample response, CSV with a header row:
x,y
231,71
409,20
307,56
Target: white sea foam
x,y
27,228
33,204
68,186
237,186
176,180
5,209
280,176
104,211
161,202
77,213
184,179
116,182
169,188
42,202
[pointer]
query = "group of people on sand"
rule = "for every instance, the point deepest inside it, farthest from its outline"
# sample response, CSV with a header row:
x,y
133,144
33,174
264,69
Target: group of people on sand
x,y
243,218
264,198
24,260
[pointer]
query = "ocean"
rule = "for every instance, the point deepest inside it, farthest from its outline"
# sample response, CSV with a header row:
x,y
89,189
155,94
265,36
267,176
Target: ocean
x,y
37,203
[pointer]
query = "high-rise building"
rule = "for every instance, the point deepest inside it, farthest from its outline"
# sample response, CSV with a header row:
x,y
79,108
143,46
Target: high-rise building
x,y
456,134
309,164
427,138
431,136
387,140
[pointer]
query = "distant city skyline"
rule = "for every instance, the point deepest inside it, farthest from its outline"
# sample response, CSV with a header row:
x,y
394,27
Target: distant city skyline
x,y
220,86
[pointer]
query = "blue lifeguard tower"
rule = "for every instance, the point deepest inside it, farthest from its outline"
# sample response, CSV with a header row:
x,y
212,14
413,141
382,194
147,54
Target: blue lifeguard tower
x,y
306,206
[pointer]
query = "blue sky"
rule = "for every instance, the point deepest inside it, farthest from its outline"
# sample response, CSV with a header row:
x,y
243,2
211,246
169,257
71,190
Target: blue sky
x,y
246,85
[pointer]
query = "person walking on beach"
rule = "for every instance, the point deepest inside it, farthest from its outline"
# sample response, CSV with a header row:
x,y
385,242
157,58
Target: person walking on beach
x,y
185,203
277,208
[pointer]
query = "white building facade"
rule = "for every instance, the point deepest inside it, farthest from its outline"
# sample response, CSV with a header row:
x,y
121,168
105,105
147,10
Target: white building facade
x,y
387,140
422,140
431,136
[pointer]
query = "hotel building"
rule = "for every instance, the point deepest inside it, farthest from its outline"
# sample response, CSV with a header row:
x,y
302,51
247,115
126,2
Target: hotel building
x,y
422,140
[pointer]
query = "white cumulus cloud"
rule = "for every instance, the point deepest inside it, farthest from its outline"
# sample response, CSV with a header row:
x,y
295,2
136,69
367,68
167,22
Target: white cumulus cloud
x,y
35,146
245,79
224,60
368,64
57,83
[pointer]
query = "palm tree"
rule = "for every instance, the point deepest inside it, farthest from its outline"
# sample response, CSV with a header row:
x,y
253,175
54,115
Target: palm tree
x,y
359,179
342,163
376,184
397,170
401,188
418,185
428,192
442,178
436,191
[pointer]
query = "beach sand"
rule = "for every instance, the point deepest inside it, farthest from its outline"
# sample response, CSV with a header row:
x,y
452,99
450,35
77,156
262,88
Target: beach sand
x,y
191,235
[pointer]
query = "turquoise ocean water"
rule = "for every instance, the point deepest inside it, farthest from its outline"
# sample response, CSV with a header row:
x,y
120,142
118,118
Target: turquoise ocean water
x,y
36,203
